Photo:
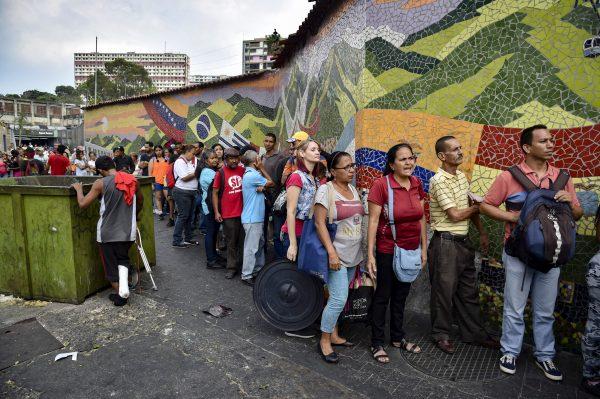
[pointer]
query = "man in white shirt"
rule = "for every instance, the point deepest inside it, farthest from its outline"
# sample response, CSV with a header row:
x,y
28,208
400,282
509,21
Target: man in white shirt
x,y
184,194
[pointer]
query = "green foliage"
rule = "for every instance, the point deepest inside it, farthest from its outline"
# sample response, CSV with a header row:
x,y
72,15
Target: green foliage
x,y
106,88
129,78
37,95
67,94
273,41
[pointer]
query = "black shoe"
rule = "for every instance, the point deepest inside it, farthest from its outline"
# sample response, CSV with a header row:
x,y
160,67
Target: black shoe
x,y
117,300
230,274
214,265
170,223
248,281
591,386
331,358
180,245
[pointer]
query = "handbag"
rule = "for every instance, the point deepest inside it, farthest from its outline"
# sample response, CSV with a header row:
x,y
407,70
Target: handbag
x,y
360,298
407,262
312,255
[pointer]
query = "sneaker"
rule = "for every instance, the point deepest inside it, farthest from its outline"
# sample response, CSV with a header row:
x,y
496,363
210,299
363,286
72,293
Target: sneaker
x,y
305,333
508,364
550,370
117,300
170,223
190,242
180,245
248,281
161,217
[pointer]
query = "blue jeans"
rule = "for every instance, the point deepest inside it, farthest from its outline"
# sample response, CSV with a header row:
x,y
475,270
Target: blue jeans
x,y
278,222
210,238
338,295
544,288
184,200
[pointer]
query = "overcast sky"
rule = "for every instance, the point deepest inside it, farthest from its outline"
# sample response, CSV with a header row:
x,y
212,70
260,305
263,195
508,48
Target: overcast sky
x,y
38,37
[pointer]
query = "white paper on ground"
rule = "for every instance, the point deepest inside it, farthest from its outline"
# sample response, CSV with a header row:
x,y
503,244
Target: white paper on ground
x,y
73,356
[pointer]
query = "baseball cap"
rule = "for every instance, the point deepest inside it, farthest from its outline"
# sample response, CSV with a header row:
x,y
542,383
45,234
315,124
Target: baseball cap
x,y
298,136
231,152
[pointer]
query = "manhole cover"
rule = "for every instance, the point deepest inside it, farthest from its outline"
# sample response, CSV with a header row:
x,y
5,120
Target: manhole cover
x,y
468,363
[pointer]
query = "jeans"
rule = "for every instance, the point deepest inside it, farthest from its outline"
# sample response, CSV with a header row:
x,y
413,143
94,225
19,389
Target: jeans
x,y
184,200
454,290
389,290
254,249
337,284
210,238
520,279
234,236
278,222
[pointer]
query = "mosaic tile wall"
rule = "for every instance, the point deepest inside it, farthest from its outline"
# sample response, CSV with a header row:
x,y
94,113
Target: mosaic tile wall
x,y
382,71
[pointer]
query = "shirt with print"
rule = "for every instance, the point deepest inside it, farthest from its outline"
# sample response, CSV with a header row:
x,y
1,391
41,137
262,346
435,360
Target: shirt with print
x,y
407,214
294,181
232,199
506,188
347,215
254,202
80,163
448,191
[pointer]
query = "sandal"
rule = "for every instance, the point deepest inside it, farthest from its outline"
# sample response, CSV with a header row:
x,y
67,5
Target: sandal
x,y
407,346
379,354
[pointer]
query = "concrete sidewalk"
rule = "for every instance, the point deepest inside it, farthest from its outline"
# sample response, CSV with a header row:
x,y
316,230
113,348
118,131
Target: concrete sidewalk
x,y
162,345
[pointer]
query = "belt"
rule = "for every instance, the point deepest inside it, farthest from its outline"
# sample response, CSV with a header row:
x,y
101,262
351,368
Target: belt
x,y
449,236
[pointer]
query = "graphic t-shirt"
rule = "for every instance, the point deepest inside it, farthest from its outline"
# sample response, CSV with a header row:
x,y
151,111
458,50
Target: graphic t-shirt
x,y
348,215
58,164
232,201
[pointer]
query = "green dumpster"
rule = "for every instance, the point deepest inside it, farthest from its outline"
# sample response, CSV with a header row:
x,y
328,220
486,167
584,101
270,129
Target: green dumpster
x,y
48,247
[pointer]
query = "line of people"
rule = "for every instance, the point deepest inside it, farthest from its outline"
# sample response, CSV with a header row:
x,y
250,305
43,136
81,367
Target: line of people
x,y
238,195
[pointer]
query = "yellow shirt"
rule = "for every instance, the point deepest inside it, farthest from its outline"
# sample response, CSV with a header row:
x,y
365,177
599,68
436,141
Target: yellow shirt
x,y
448,191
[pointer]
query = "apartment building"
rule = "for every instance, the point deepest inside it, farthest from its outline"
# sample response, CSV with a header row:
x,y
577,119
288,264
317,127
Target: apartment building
x,y
167,70
197,79
255,55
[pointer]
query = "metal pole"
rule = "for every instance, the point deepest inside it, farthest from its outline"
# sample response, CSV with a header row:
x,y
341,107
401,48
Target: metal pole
x,y
96,72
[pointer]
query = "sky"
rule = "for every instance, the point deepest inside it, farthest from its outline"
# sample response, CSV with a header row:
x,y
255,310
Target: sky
x,y
38,37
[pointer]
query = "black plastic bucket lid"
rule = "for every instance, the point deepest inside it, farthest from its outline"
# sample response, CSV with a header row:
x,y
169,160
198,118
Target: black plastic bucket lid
x,y
287,298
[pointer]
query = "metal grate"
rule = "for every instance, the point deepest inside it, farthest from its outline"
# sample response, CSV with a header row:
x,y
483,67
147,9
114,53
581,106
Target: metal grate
x,y
468,363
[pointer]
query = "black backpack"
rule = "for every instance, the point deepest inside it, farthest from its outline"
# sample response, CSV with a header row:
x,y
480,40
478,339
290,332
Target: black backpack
x,y
545,234
209,201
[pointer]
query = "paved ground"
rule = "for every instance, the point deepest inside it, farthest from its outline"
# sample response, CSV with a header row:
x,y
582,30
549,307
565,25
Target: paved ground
x,y
161,345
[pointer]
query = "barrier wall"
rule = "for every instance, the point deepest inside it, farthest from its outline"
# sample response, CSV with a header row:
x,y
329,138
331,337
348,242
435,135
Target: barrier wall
x,y
379,72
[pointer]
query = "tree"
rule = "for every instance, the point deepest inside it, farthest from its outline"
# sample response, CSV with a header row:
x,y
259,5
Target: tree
x,y
67,94
13,96
37,95
106,89
130,79
273,41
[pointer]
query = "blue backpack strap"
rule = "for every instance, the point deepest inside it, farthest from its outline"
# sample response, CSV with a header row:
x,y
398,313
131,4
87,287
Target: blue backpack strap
x,y
391,207
524,181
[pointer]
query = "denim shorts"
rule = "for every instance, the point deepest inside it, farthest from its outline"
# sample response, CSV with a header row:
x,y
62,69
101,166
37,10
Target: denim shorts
x,y
158,187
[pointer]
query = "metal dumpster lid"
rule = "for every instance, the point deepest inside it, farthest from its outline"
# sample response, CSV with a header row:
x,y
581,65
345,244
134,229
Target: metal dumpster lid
x,y
287,298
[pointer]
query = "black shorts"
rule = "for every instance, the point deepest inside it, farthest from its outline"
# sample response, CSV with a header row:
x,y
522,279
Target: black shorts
x,y
114,254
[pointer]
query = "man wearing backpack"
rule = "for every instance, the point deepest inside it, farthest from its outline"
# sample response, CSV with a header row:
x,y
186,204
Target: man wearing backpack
x,y
554,190
228,203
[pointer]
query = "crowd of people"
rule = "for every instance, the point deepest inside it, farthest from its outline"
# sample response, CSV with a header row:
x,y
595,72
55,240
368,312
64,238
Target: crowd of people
x,y
241,200
36,161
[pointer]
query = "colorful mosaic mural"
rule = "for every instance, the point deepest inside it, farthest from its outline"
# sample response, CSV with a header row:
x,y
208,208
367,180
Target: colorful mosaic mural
x,y
379,72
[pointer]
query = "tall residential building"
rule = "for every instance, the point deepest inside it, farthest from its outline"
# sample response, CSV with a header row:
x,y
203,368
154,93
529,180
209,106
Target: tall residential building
x,y
197,79
256,57
167,70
